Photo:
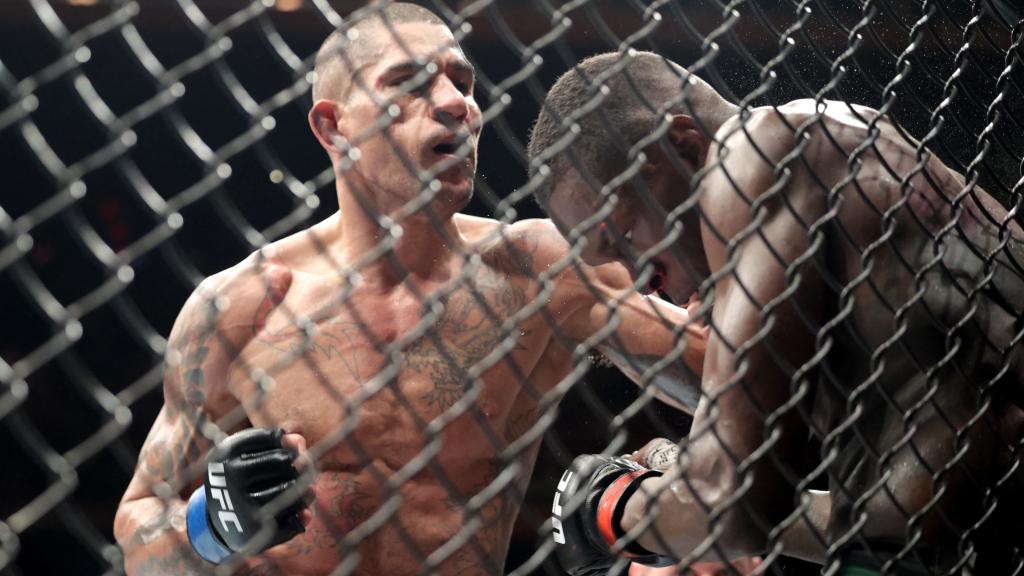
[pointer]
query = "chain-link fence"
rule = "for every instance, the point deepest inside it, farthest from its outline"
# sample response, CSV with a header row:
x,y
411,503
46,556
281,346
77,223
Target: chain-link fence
x,y
856,279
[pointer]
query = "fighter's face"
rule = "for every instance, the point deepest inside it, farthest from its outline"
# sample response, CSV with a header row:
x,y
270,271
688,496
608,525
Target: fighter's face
x,y
413,117
635,232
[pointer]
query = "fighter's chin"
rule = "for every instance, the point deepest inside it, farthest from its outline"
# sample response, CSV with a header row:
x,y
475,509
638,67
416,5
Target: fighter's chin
x,y
455,193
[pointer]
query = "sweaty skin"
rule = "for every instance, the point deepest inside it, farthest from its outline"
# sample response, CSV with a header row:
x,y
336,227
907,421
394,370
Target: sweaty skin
x,y
854,263
402,445
887,406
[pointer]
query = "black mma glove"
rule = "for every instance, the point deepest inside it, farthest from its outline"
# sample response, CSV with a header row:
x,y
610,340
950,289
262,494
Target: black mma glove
x,y
244,472
586,535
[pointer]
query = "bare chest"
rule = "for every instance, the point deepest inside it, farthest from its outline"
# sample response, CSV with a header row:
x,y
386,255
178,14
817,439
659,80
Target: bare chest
x,y
368,375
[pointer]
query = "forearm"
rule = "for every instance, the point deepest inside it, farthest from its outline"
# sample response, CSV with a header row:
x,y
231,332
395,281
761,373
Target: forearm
x,y
669,516
677,523
655,344
153,539
805,539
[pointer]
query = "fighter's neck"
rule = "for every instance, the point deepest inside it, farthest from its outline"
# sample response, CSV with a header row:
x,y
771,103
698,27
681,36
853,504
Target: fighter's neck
x,y
414,246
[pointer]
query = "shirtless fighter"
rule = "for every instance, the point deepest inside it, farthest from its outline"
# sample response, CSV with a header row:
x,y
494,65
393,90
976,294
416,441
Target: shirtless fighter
x,y
856,294
409,373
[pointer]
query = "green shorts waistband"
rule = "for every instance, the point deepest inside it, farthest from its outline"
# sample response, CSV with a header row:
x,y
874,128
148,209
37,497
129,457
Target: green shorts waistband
x,y
850,570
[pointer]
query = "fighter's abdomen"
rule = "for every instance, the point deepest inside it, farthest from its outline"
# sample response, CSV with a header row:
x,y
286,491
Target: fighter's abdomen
x,y
355,520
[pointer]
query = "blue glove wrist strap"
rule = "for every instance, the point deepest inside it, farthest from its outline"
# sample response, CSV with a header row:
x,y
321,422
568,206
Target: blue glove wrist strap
x,y
203,540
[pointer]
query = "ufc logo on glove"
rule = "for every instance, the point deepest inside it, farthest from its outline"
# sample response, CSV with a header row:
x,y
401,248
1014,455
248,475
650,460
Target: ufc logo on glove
x,y
556,508
217,482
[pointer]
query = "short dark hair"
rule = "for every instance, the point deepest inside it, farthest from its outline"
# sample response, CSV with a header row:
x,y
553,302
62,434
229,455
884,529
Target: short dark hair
x,y
640,87
339,58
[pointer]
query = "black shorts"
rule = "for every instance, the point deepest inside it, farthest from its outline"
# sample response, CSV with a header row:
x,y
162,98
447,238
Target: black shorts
x,y
868,558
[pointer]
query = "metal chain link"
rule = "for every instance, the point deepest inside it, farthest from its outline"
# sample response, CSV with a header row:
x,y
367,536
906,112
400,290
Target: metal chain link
x,y
155,144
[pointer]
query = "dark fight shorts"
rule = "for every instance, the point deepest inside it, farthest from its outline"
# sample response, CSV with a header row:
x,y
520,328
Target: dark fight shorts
x,y
868,558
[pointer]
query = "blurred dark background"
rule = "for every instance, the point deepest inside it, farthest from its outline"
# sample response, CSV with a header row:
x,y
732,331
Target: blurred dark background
x,y
89,284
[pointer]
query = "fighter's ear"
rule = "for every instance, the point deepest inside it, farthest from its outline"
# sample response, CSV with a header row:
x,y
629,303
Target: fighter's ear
x,y
324,118
688,140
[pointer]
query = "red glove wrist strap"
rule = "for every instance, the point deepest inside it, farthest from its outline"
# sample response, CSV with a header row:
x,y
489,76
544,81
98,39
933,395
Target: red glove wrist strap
x,y
608,505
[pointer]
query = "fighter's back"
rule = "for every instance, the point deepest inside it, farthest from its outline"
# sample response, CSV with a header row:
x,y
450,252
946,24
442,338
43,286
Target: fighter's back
x,y
924,294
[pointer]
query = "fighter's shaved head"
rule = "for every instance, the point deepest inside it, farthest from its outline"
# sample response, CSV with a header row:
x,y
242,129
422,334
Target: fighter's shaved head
x,y
354,45
638,86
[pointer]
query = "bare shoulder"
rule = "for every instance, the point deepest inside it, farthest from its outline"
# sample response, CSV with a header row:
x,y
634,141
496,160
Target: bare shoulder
x,y
761,157
757,139
215,323
524,248
746,153
766,141
540,236
233,296
780,128
574,281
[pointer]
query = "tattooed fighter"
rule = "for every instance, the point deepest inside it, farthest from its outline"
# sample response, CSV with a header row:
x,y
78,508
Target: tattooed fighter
x,y
859,292
396,345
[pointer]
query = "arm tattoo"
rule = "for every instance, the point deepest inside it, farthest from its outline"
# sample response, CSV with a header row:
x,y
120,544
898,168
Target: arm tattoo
x,y
194,347
166,458
518,424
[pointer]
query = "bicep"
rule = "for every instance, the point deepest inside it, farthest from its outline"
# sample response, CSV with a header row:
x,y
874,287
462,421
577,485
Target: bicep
x,y
758,342
767,305
761,250
173,444
195,365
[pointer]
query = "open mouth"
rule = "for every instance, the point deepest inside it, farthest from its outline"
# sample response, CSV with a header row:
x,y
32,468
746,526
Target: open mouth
x,y
656,285
446,148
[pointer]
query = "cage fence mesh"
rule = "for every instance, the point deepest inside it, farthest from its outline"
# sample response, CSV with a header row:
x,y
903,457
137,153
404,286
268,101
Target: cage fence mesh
x,y
150,145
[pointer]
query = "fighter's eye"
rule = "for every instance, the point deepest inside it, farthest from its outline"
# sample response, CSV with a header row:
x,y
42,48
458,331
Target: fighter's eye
x,y
628,236
412,83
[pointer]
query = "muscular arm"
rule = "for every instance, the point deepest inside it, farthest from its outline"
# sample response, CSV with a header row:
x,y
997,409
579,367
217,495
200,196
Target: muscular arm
x,y
651,341
150,522
149,527
803,539
745,436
